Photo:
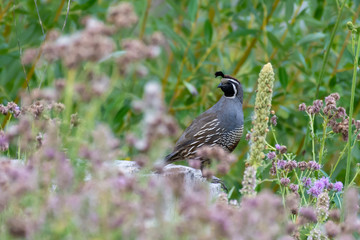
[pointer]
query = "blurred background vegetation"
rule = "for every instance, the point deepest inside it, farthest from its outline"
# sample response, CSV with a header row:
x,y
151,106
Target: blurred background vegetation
x,y
203,36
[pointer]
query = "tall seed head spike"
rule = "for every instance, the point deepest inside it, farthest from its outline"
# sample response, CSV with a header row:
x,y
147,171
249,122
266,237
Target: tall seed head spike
x,y
262,112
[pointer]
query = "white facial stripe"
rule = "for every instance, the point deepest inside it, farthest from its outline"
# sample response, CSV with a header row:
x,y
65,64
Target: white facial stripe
x,y
235,91
231,80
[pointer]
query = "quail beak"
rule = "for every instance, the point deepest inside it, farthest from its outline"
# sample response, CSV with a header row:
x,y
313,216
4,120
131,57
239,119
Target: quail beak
x,y
220,85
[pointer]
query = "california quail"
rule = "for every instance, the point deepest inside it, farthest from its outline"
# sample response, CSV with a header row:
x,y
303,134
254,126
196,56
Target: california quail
x,y
220,125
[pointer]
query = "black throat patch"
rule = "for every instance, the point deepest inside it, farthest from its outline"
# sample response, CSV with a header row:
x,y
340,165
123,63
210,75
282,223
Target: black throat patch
x,y
229,90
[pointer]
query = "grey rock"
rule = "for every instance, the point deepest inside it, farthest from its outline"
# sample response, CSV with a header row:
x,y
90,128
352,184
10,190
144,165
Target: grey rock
x,y
190,176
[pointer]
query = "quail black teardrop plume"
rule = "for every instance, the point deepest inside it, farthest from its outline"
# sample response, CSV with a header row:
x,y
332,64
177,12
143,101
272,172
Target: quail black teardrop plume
x,y
221,125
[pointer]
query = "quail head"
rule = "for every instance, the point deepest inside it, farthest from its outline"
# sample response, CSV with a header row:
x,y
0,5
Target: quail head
x,y
221,125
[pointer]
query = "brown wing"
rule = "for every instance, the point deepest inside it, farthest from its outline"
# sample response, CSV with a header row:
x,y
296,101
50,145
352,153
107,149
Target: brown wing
x,y
204,130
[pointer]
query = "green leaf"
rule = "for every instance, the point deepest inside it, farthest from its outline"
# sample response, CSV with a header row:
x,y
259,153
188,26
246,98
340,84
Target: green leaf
x,y
274,41
299,57
319,11
191,88
241,32
323,172
283,112
338,200
332,81
208,31
82,4
289,9
120,115
284,79
311,38
192,9
4,47
309,21
112,55
169,32
231,192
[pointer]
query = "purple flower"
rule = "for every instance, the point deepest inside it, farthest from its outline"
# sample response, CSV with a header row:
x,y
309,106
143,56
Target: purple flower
x,y
341,112
291,165
271,155
273,120
50,153
310,110
319,184
336,96
281,164
120,182
313,165
326,182
283,149
195,163
4,141
329,100
284,181
314,191
332,229
302,107
294,187
338,186
12,106
277,146
308,213
306,181
317,105
302,166
3,109
357,124
273,169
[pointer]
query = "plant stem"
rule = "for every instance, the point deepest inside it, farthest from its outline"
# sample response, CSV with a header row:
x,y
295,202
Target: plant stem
x,y
341,155
357,173
146,14
69,91
323,139
347,177
328,49
301,187
274,135
281,188
312,136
